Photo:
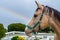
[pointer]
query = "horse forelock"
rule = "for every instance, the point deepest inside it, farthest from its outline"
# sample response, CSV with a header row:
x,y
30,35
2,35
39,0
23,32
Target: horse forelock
x,y
37,9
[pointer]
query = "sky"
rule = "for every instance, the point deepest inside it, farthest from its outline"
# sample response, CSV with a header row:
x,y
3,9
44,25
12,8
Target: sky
x,y
21,11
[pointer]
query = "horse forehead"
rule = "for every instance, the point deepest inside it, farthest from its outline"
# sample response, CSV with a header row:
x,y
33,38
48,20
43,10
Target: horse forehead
x,y
38,12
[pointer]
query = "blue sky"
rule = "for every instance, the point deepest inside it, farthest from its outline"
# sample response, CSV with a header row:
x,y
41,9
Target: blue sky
x,y
21,11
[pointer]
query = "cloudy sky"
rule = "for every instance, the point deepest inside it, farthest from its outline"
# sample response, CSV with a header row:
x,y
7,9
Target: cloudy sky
x,y
21,11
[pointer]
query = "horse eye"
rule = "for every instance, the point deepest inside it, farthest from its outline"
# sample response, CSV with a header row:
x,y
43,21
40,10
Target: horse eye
x,y
35,15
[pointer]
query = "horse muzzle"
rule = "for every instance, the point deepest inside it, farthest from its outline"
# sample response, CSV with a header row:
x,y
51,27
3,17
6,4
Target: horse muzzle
x,y
28,33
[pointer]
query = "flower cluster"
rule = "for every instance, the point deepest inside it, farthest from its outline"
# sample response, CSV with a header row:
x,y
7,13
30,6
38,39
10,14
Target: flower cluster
x,y
18,38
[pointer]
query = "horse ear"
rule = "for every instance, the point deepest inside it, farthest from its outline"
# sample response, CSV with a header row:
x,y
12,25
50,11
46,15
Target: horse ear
x,y
38,4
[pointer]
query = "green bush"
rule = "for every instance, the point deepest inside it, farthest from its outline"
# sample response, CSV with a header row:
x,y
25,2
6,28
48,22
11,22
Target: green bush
x,y
2,31
16,27
36,39
14,38
47,30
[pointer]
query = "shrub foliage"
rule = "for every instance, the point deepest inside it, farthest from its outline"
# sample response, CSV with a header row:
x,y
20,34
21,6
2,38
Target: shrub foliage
x,y
16,27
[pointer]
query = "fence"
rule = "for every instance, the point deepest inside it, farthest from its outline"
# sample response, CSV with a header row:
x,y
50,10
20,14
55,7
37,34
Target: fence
x,y
41,36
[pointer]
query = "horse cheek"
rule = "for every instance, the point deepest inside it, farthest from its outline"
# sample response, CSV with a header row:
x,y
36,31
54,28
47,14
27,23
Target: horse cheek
x,y
44,22
45,19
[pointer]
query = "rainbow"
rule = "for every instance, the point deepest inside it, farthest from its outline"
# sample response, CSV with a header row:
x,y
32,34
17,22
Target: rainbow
x,y
13,13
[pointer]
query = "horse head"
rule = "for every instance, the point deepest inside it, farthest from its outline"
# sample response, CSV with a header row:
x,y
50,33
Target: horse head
x,y
38,17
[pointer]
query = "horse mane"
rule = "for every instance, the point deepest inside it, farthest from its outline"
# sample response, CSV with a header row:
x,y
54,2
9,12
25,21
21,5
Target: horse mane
x,y
56,12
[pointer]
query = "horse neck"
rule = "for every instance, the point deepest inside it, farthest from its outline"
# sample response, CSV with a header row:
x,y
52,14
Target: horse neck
x,y
56,26
56,21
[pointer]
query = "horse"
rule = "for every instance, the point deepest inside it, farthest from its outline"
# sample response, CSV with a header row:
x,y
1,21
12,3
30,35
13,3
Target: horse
x,y
43,17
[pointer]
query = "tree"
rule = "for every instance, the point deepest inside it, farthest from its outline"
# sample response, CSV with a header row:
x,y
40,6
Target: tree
x,y
2,31
16,27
